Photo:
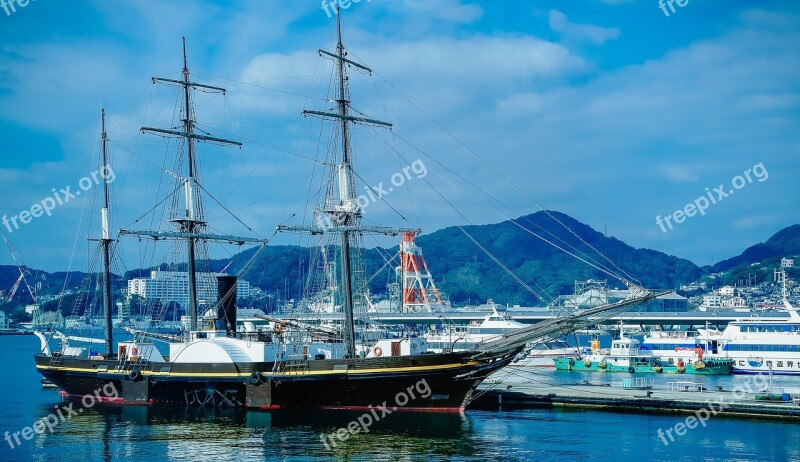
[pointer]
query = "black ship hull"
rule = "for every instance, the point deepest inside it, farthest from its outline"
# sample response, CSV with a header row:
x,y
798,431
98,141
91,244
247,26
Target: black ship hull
x,y
440,382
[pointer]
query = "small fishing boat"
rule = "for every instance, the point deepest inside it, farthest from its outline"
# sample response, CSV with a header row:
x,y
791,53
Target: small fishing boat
x,y
626,355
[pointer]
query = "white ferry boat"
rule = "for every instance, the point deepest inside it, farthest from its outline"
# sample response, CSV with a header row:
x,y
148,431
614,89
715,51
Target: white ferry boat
x,y
544,352
759,346
462,339
756,346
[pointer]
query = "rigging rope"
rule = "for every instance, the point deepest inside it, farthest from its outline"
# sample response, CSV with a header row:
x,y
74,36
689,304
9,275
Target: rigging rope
x,y
494,169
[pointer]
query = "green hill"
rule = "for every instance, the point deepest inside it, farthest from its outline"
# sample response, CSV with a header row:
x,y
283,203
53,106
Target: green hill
x,y
467,274
757,263
784,243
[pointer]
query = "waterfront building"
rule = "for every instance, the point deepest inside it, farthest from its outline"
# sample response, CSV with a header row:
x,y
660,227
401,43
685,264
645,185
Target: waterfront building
x,y
593,293
712,301
173,286
669,302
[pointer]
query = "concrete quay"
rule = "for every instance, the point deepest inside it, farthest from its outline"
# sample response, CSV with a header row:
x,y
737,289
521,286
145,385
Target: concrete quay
x,y
638,396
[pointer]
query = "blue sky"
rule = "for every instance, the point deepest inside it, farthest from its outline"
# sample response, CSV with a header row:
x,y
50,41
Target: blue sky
x,y
607,110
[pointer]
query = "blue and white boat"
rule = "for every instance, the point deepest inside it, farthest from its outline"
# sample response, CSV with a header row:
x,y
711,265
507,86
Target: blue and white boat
x,y
756,346
759,346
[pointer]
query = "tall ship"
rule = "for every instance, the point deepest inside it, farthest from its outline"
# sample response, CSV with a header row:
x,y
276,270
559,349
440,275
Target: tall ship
x,y
289,364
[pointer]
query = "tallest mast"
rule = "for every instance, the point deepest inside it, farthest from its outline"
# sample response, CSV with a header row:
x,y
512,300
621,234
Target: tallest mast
x,y
189,224
343,211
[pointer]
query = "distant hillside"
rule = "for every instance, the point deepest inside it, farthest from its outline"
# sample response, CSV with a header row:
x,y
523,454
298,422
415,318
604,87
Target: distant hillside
x,y
784,243
758,263
466,273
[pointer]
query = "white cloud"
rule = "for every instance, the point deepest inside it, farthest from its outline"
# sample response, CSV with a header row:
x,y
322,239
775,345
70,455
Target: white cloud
x,y
446,10
590,33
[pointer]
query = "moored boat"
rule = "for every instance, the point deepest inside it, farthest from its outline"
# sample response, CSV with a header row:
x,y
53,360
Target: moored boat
x,y
754,346
491,327
626,356
542,353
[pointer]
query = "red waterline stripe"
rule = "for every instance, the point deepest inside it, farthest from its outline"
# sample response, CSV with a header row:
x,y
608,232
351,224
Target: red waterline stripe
x,y
105,399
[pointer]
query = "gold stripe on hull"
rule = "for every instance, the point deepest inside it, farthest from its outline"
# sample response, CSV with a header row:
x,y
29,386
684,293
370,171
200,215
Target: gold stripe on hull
x,y
247,374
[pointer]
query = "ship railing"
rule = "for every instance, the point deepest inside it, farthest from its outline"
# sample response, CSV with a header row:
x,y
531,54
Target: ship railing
x,y
140,361
55,359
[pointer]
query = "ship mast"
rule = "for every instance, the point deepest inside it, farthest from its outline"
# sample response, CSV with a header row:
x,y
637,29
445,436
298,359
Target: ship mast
x,y
345,215
191,226
346,185
105,243
189,223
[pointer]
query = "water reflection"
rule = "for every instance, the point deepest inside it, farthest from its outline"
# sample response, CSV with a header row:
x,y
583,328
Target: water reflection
x,y
175,433
136,433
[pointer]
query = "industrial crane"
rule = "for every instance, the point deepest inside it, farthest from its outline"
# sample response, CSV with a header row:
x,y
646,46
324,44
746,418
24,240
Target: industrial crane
x,y
24,273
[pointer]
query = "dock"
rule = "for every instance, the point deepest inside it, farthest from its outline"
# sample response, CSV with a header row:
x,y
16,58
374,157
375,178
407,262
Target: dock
x,y
679,397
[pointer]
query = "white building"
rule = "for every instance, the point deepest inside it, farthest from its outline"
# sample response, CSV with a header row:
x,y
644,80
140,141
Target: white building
x,y
734,302
173,286
787,262
712,301
727,291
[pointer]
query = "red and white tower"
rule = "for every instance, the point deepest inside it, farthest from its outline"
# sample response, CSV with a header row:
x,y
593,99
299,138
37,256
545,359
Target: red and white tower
x,y
419,292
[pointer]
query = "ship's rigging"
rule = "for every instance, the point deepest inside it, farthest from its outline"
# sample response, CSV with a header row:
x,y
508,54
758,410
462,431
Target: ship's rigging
x,y
340,210
191,225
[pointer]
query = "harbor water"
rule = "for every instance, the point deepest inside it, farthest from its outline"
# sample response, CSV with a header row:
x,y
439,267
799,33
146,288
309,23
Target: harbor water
x,y
105,432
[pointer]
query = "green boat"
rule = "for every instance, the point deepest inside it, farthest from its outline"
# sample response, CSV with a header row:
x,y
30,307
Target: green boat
x,y
626,356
